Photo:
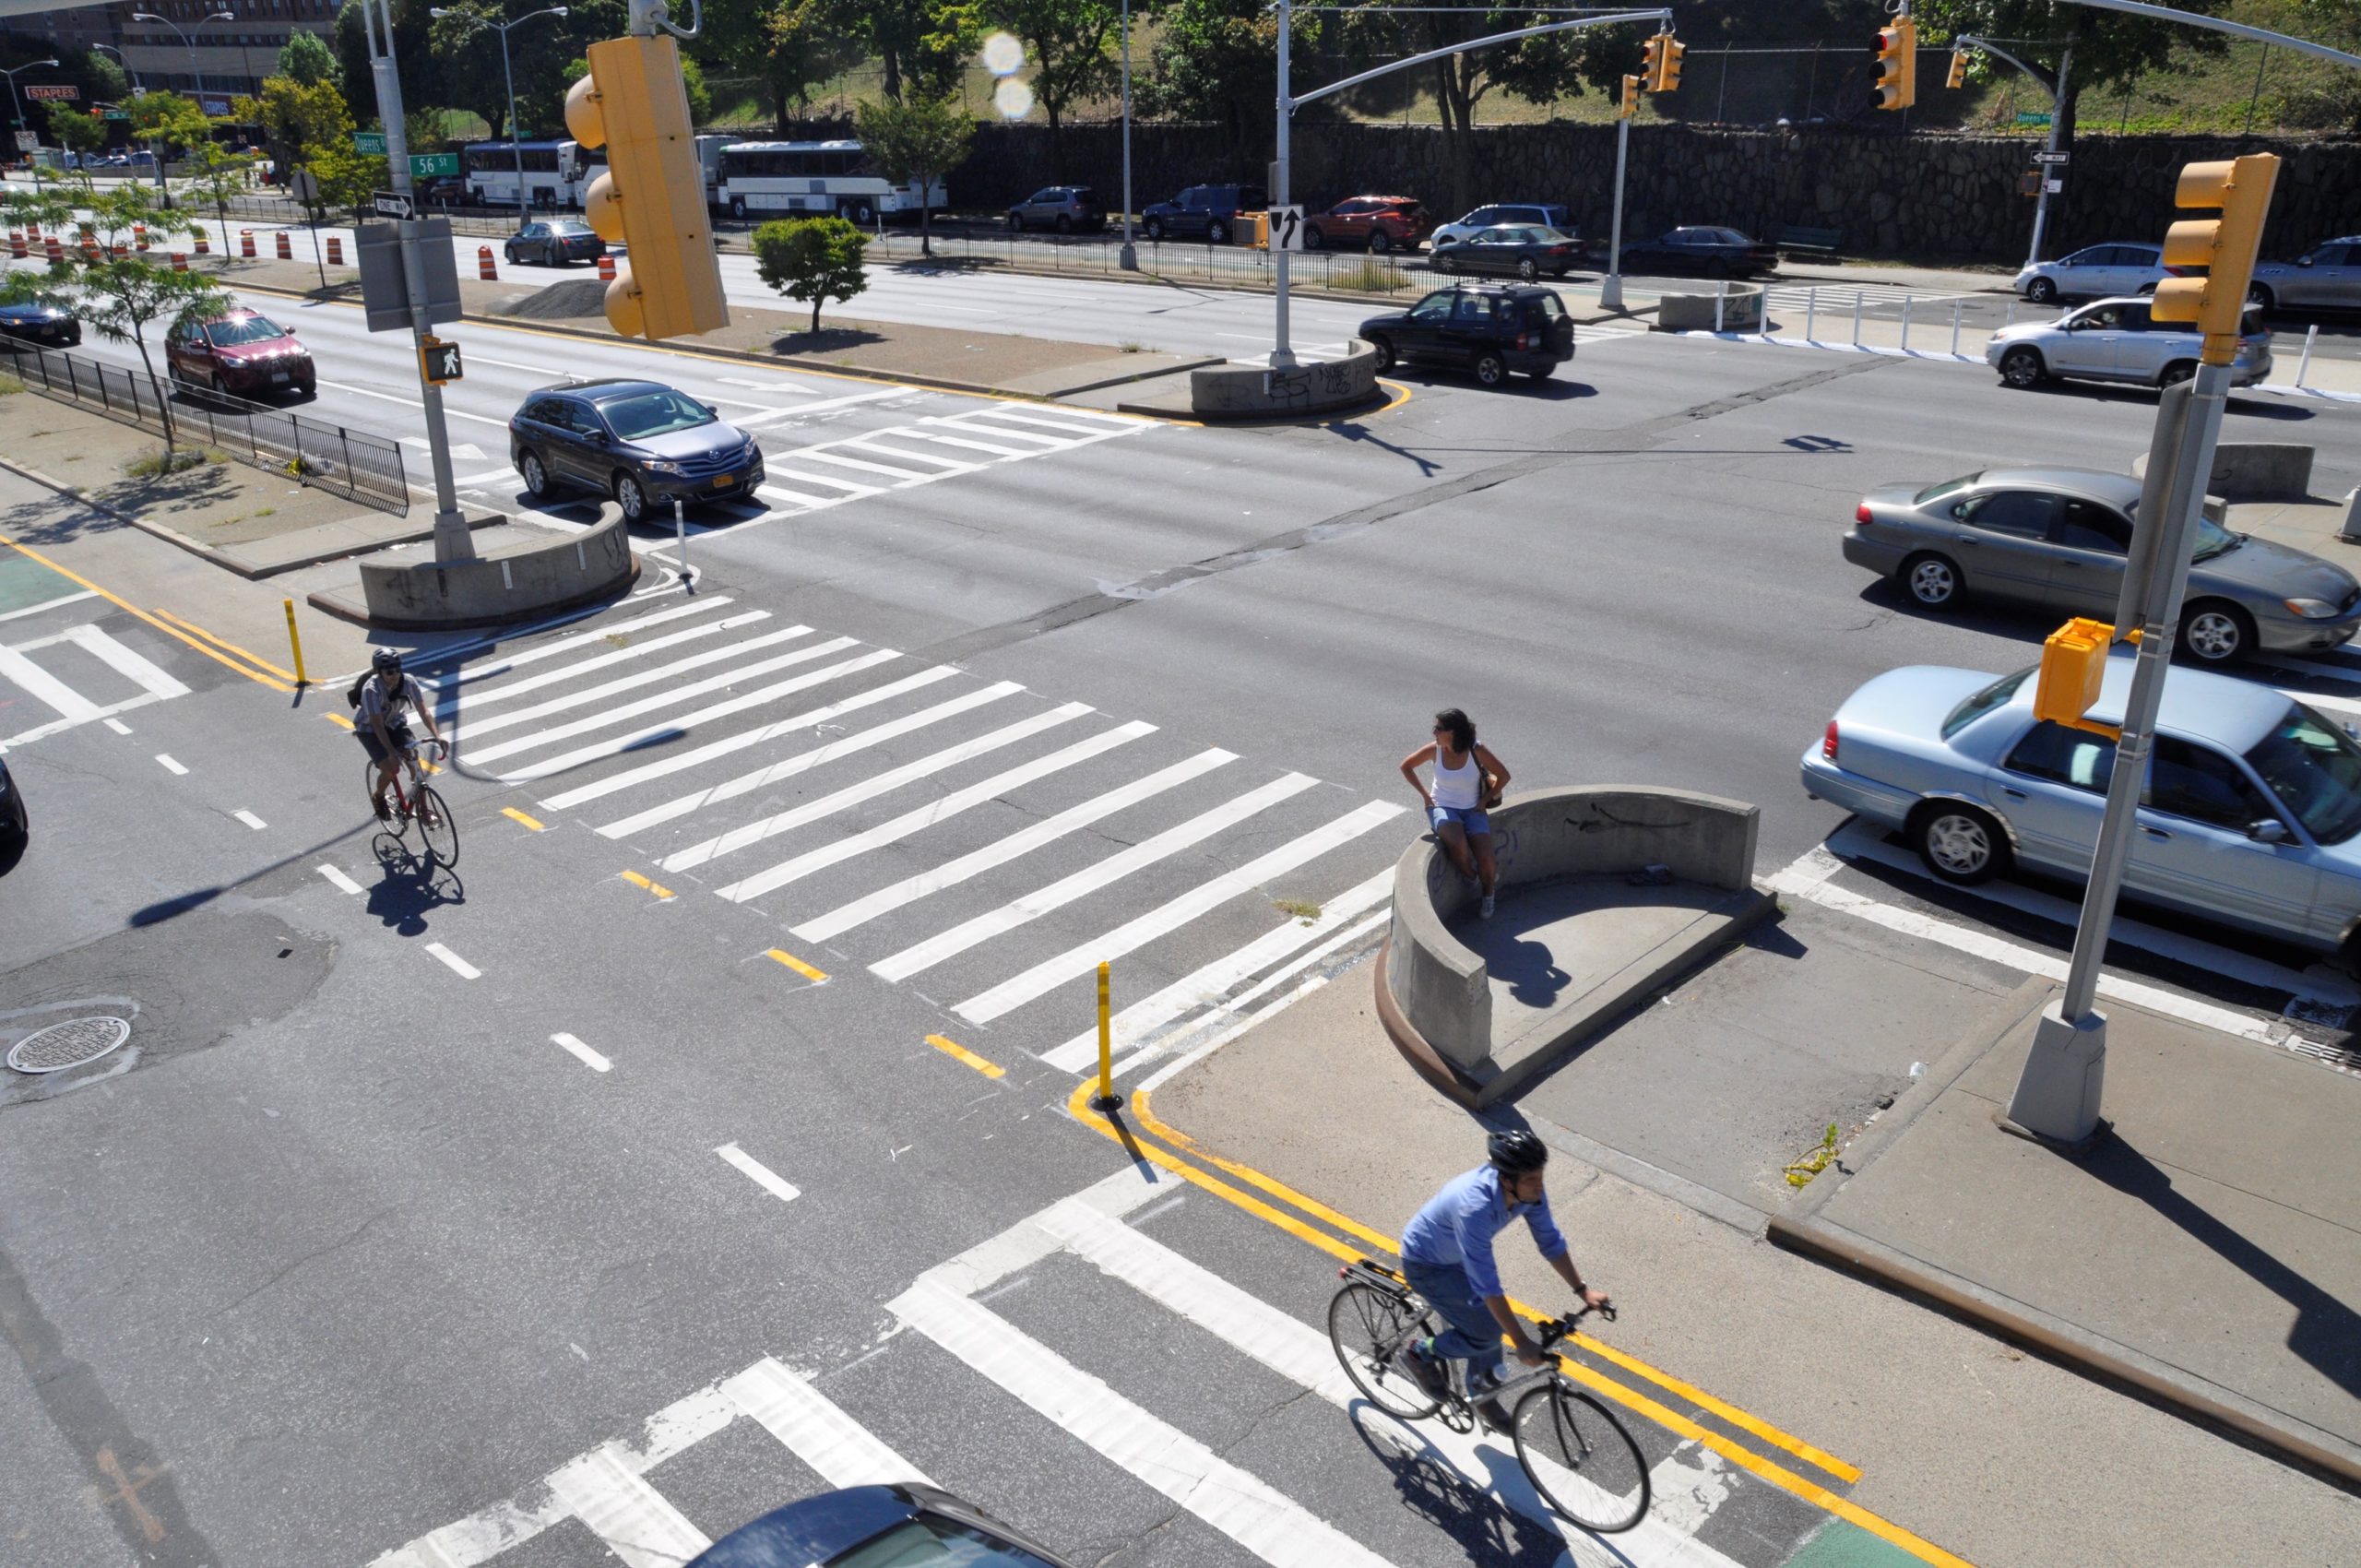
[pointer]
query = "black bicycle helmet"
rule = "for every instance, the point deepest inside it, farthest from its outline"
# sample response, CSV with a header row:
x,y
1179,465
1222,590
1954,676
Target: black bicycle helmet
x,y
1517,1151
385,659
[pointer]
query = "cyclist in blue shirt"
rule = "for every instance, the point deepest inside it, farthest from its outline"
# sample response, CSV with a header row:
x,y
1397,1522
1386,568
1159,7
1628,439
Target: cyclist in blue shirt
x,y
1447,1257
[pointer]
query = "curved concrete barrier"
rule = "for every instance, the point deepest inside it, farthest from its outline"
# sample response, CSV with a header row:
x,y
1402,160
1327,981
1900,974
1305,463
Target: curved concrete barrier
x,y
1584,928
2244,470
1741,306
517,582
1250,391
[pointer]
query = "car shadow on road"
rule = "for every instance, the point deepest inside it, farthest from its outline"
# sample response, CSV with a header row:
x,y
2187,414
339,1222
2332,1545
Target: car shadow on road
x,y
2269,408
1549,391
1994,620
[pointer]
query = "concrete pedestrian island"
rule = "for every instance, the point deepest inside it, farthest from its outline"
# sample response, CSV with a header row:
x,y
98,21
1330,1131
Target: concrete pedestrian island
x,y
1729,307
507,583
1582,928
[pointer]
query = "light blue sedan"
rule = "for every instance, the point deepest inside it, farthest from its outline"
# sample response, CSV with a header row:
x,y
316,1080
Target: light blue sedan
x,y
2252,816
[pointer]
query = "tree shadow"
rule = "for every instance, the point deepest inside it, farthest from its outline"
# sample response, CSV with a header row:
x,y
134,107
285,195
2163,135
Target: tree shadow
x,y
828,340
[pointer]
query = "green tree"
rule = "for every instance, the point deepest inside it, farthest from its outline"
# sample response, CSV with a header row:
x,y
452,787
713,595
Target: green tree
x,y
1219,60
421,73
2111,49
1069,45
790,46
122,299
691,82
103,79
307,60
922,44
296,116
168,122
217,173
817,259
76,128
346,178
916,142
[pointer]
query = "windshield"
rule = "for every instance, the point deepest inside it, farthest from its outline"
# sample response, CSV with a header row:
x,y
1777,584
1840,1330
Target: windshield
x,y
1997,694
2315,770
2213,539
1936,492
569,228
658,411
246,329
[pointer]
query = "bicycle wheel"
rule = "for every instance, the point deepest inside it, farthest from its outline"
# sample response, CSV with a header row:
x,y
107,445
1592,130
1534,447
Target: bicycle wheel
x,y
1367,1325
1580,1458
435,821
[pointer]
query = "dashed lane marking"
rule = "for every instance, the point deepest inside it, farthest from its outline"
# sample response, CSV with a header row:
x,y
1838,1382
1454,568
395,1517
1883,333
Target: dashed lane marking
x,y
169,766
760,1174
456,965
250,819
514,814
817,977
958,1053
338,879
639,881
583,1053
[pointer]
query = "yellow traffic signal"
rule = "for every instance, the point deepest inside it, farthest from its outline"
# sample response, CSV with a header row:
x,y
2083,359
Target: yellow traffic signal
x,y
1668,72
1630,104
1650,61
652,195
2073,664
2225,246
1957,77
1898,64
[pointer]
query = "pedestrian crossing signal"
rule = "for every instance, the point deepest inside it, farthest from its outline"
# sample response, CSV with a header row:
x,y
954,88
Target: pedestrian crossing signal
x,y
439,362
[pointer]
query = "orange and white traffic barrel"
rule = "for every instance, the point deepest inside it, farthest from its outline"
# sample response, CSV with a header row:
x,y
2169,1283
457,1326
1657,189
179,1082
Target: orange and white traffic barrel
x,y
336,250
286,246
246,243
484,270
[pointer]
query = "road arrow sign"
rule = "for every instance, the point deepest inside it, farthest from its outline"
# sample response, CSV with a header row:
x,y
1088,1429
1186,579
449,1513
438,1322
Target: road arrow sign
x,y
2050,157
393,204
1287,228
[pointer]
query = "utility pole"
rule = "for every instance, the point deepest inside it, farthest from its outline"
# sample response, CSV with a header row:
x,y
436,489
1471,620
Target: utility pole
x,y
1128,258
1282,352
1611,288
452,539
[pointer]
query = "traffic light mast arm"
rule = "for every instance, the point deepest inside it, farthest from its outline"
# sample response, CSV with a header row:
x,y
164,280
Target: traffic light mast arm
x,y
1969,40
1663,18
2236,30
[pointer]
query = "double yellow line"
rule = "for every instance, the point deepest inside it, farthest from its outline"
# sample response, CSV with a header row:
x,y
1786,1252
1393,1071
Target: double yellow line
x,y
213,648
1143,1135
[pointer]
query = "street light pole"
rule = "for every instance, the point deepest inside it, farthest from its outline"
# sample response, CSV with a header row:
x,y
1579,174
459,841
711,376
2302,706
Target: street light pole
x,y
128,67
188,41
515,137
19,104
1128,258
1282,352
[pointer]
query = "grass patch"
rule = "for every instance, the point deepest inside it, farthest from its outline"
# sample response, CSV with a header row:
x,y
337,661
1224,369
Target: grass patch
x,y
157,465
267,511
1371,277
619,640
10,385
1129,348
1297,908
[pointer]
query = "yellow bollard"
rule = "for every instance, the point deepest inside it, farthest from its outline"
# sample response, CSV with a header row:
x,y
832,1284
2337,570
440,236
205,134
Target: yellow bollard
x,y
1106,1100
294,642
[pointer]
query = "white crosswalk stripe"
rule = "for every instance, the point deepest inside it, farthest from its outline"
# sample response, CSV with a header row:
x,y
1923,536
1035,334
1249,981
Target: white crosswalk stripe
x,y
1006,1379
81,674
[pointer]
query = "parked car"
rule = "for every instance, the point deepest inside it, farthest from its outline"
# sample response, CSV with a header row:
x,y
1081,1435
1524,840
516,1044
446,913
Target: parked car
x,y
1381,223
1532,215
904,1525
31,322
16,826
2250,814
555,242
1723,252
242,352
1487,329
1529,252
2056,538
1063,208
2327,276
2094,272
1206,212
641,442
2117,341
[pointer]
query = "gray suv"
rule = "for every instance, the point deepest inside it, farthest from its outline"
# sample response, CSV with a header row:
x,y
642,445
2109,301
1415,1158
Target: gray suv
x,y
2117,341
2328,278
1062,208
641,442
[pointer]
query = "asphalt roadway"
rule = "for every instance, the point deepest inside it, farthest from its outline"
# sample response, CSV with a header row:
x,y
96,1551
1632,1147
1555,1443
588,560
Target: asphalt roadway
x,y
626,1179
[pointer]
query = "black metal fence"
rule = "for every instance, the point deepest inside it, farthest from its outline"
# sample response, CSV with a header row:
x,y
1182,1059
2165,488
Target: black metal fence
x,y
350,463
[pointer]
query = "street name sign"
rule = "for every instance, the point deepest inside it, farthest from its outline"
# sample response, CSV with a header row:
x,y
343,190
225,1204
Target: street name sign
x,y
2032,117
369,141
426,165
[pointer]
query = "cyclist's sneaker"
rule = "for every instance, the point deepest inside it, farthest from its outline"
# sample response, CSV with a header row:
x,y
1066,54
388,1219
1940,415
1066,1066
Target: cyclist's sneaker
x,y
1496,1416
384,810
1424,1370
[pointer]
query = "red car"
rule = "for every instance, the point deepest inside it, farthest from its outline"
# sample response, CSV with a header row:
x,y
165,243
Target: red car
x,y
1383,223
243,352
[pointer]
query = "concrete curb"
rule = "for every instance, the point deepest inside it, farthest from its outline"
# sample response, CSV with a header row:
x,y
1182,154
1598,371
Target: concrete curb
x,y
2103,1360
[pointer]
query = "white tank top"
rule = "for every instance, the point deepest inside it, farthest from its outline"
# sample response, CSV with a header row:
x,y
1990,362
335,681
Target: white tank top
x,y
1459,787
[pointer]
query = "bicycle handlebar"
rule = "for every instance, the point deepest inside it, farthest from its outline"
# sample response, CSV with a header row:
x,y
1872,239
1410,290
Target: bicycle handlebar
x,y
1564,1327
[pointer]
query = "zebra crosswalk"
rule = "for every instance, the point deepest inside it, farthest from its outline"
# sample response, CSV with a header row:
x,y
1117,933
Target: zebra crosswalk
x,y
72,677
1028,1381
989,843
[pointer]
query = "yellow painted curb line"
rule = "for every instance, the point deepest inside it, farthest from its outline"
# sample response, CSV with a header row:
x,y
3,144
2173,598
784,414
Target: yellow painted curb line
x,y
121,603
817,977
958,1053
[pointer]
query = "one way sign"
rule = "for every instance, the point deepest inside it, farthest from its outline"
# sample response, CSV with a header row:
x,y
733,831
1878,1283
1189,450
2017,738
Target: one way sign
x,y
438,360
1287,228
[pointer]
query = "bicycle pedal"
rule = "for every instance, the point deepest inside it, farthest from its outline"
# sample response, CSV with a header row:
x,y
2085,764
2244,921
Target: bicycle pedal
x,y
1459,1417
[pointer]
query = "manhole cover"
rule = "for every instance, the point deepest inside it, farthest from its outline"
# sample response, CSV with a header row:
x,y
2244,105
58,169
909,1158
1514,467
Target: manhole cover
x,y
68,1044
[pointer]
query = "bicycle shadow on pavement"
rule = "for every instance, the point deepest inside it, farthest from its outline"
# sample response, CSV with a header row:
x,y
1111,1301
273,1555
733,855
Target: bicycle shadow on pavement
x,y
1493,1534
409,887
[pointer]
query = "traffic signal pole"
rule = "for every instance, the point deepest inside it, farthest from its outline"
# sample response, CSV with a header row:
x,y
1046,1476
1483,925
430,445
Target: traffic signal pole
x,y
452,539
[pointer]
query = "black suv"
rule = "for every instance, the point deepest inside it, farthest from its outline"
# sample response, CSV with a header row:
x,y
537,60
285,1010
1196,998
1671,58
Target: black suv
x,y
641,442
1488,328
1206,212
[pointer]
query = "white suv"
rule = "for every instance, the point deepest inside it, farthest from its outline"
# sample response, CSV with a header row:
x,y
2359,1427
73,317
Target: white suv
x,y
2094,272
2117,341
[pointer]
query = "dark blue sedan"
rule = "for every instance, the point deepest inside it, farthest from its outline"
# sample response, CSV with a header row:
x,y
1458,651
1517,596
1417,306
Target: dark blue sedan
x,y
906,1526
52,327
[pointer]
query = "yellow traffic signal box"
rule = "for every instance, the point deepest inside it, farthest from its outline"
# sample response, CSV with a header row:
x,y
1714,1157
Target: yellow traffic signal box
x,y
1630,104
2073,664
2225,246
1957,79
1897,63
652,197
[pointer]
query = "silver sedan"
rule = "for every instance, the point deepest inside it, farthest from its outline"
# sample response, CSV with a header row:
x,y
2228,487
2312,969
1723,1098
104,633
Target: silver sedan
x,y
2117,341
2056,538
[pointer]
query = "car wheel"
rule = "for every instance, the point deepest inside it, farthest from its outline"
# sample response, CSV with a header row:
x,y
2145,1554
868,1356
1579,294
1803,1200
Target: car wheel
x,y
1379,242
1958,843
1384,347
2146,290
631,498
2042,291
512,255
1153,229
2259,296
2176,372
1490,368
1932,581
535,476
2215,632
1528,270
738,207
1446,263
1216,233
863,213
1311,239
2023,369
1017,223
1065,224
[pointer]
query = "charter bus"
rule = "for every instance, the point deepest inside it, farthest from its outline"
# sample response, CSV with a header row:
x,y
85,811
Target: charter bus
x,y
556,172
764,177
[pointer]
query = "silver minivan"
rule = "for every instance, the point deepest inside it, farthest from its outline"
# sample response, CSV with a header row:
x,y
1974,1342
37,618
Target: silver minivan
x,y
2117,341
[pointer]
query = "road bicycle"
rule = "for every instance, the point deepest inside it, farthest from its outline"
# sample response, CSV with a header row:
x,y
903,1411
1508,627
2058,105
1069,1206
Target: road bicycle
x,y
438,831
1578,1456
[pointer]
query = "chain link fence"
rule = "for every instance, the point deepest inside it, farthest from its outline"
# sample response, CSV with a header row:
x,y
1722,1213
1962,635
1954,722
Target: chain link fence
x,y
1236,265
360,467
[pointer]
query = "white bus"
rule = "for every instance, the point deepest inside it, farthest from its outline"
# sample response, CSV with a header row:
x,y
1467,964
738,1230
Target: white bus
x,y
763,178
556,172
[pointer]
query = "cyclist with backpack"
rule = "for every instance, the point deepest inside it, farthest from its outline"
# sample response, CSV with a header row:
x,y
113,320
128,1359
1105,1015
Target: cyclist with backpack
x,y
382,701
1447,1258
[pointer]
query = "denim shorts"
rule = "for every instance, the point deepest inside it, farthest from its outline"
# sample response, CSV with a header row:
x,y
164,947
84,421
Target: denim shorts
x,y
1471,821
